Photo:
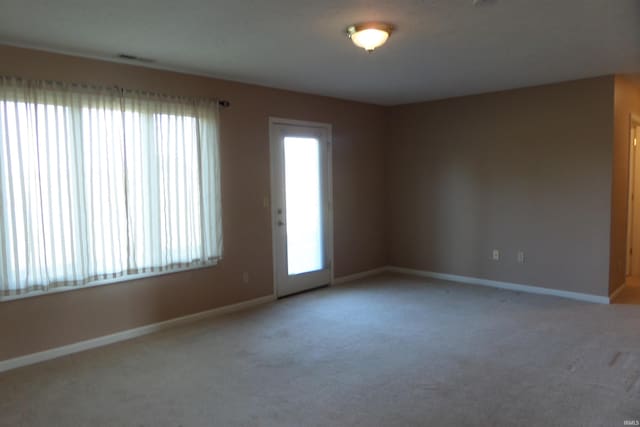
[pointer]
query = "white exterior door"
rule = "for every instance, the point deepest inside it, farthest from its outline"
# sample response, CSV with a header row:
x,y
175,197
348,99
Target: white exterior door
x,y
301,205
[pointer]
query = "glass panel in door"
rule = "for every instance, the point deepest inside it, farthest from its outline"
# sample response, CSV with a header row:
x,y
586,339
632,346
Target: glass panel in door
x,y
303,201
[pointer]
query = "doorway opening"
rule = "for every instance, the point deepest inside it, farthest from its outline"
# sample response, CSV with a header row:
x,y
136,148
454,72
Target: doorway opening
x,y
632,273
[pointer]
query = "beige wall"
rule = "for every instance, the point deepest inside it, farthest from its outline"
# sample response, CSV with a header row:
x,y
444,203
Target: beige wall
x,y
35,324
527,169
626,102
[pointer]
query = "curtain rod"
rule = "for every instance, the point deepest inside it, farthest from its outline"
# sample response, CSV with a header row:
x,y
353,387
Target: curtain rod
x,y
223,103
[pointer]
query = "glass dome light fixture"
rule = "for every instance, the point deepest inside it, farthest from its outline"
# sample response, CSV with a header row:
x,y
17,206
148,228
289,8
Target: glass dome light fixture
x,y
370,35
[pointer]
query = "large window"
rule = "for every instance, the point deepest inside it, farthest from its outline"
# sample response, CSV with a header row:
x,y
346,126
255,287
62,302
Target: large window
x,y
98,183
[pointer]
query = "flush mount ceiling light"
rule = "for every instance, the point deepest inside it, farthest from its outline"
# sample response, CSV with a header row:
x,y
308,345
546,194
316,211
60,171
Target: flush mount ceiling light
x,y
369,35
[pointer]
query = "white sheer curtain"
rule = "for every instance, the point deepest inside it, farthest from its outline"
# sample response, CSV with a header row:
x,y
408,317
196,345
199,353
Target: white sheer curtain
x,y
97,183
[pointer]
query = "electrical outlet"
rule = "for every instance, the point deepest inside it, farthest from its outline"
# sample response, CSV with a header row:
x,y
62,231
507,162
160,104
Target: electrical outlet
x,y
495,255
245,277
520,257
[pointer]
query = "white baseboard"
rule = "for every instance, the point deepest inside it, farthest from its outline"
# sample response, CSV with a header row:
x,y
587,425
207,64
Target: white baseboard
x,y
503,285
53,353
616,292
356,276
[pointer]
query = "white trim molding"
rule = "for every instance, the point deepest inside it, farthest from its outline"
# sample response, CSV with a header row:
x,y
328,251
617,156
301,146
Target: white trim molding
x,y
503,285
356,276
481,282
128,334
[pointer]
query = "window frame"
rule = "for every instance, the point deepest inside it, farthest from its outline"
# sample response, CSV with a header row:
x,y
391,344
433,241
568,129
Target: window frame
x,y
125,277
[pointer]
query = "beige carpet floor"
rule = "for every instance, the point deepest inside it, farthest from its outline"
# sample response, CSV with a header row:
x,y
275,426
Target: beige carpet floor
x,y
386,351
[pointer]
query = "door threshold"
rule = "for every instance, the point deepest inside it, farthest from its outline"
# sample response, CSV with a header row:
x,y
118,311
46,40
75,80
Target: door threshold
x,y
304,291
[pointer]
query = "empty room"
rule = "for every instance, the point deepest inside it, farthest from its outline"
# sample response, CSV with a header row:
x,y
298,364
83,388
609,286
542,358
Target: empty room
x,y
330,213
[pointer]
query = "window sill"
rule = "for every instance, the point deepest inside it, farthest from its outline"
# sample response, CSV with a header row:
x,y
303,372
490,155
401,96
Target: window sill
x,y
104,282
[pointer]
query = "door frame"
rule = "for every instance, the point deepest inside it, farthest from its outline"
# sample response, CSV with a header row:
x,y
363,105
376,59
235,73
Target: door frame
x,y
634,123
273,121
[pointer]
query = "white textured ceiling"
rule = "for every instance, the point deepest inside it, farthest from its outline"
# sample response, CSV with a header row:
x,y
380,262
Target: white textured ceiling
x,y
442,48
